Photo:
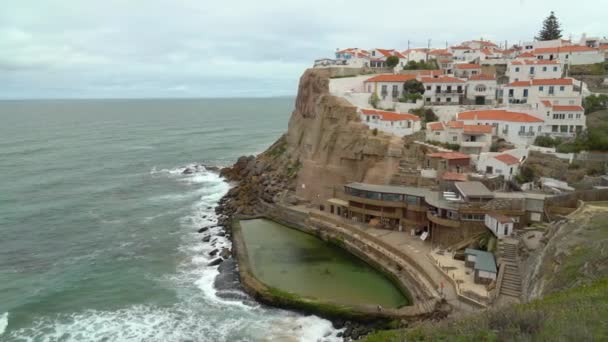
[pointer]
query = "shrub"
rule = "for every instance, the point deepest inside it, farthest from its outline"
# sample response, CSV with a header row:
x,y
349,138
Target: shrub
x,y
375,131
593,103
374,99
526,174
544,141
392,61
426,114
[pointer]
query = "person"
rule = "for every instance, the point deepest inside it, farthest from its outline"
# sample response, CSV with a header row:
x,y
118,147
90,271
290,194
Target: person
x,y
379,308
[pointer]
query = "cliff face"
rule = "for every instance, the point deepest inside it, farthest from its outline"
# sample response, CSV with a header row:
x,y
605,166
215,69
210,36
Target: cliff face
x,y
326,145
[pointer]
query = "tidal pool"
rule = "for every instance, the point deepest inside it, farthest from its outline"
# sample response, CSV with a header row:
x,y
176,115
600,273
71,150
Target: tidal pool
x,y
303,264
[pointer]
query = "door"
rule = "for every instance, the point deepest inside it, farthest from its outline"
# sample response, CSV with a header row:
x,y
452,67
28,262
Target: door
x,y
480,100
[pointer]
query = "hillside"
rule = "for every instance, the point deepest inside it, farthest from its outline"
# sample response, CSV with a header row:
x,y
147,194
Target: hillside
x,y
567,286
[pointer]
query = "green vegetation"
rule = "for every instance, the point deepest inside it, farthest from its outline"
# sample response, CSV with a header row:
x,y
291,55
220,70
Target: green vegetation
x,y
551,28
544,141
597,69
374,131
412,91
392,61
294,168
526,174
421,65
374,99
278,148
577,314
594,103
453,147
343,76
426,114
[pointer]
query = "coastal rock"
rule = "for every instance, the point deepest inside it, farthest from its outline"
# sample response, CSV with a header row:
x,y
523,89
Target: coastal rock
x,y
203,229
221,234
225,253
214,252
215,262
206,238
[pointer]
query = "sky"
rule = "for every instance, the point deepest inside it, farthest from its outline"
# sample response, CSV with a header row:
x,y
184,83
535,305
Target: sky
x,y
237,48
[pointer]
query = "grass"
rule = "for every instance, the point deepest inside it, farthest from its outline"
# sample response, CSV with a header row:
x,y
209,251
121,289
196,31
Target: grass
x,y
577,314
597,69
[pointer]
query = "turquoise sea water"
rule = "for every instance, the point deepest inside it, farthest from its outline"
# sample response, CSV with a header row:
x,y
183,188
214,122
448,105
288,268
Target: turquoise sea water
x,y
98,225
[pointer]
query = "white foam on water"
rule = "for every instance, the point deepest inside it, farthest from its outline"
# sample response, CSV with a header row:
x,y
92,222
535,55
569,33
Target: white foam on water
x,y
3,322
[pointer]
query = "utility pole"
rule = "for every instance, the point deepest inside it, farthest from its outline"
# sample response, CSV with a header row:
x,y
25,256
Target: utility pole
x,y
408,44
427,51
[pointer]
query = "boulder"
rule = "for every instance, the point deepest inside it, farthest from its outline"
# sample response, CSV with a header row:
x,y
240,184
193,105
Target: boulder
x,y
221,234
225,253
214,252
207,238
215,262
203,229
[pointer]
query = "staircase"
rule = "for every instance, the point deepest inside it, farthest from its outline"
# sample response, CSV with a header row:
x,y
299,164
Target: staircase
x,y
511,281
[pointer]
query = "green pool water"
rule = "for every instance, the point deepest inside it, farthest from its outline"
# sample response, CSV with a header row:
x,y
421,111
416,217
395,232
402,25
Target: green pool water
x,y
300,263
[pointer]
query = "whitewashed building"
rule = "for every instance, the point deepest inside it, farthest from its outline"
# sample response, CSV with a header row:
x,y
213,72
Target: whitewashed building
x,y
572,54
516,127
417,54
377,58
388,86
466,70
525,70
562,120
498,164
533,91
443,90
473,139
500,225
481,89
399,124
538,44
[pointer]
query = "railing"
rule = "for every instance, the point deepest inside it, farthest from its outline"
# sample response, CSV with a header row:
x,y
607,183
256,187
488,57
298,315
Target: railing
x,y
442,221
526,134
449,92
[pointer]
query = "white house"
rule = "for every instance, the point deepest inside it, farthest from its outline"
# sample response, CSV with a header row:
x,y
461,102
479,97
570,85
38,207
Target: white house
x,y
572,54
561,120
518,128
499,164
473,139
466,54
378,58
525,70
499,225
480,44
538,44
399,124
388,86
466,69
481,89
353,57
417,54
536,90
443,90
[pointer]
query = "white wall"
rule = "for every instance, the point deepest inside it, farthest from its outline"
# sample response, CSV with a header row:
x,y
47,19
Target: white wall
x,y
398,128
564,94
489,93
498,228
575,58
525,72
443,96
498,168
510,131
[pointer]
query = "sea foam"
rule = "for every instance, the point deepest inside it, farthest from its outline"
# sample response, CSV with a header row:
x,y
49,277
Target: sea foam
x,y
3,322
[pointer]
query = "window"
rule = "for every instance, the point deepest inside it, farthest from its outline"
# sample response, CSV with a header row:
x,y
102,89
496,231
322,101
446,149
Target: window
x,y
437,133
516,69
532,70
554,128
563,129
525,92
449,99
428,87
541,88
454,138
539,129
554,68
570,116
544,68
480,88
428,99
510,92
412,199
551,90
562,88
578,116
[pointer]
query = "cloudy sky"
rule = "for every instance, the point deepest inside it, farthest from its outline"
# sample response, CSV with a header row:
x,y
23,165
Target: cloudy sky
x,y
205,48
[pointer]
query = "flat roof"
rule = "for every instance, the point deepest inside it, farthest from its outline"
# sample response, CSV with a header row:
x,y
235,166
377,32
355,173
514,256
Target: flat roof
x,y
390,189
474,189
484,261
338,201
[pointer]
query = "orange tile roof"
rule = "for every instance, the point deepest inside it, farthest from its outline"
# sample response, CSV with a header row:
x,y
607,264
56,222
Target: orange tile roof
x,y
391,52
466,66
441,79
390,116
507,159
460,47
568,108
478,129
498,115
435,72
541,81
455,124
547,103
453,176
482,77
449,155
440,52
571,48
436,126
484,42
391,78
526,55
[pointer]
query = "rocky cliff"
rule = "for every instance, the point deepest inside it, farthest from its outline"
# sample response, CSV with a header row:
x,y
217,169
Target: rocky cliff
x,y
325,146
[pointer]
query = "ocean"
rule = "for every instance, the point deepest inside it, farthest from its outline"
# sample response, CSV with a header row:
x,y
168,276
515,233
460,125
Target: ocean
x,y
98,223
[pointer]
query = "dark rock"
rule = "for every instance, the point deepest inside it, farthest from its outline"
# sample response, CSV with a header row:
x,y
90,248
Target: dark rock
x,y
338,323
207,238
203,229
214,252
215,262
221,234
225,253
340,334
187,171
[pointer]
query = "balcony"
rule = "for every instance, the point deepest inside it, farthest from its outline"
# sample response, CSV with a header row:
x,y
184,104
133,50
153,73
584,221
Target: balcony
x,y
442,221
377,202
449,92
378,213
526,134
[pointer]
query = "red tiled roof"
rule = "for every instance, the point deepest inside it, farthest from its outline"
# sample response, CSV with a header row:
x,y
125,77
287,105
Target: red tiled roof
x,y
526,55
484,42
391,52
568,109
391,78
466,66
541,81
571,48
441,79
498,115
547,103
478,128
440,52
435,72
482,77
455,124
536,62
453,176
460,47
390,116
436,126
507,159
501,218
449,155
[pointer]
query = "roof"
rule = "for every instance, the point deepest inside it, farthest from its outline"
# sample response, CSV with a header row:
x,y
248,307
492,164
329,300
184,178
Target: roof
x,y
568,109
436,126
484,42
484,261
571,48
541,81
391,52
478,129
390,189
390,116
498,115
507,159
501,218
449,155
392,78
526,55
455,124
453,176
441,79
474,189
482,77
536,62
547,103
466,66
338,201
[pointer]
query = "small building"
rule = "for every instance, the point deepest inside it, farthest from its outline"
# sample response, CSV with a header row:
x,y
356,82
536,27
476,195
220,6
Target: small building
x,y
572,54
533,91
525,70
500,225
466,70
483,264
474,191
443,90
448,162
399,124
481,89
518,128
473,139
562,120
504,164
388,86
